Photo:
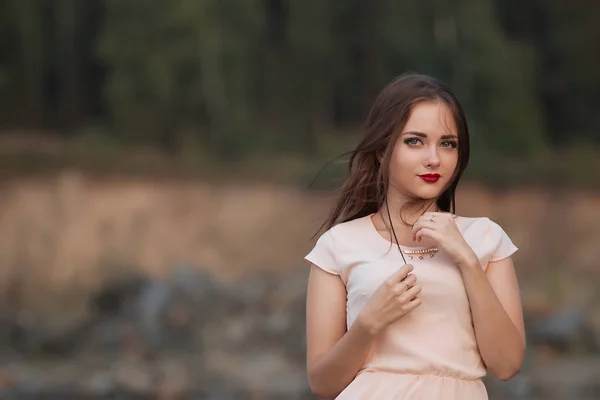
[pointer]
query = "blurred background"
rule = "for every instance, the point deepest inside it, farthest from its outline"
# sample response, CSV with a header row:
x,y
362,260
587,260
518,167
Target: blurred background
x,y
157,197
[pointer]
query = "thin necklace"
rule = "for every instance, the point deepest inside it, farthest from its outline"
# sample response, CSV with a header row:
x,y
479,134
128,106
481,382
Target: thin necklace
x,y
432,251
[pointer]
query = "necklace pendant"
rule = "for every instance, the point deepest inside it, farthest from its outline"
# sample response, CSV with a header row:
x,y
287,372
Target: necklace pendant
x,y
421,252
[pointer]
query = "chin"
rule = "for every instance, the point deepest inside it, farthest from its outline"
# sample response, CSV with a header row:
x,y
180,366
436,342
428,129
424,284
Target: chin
x,y
427,193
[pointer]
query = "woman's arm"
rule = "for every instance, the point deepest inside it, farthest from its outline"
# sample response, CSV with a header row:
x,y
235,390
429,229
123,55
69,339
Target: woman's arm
x,y
497,315
334,357
493,295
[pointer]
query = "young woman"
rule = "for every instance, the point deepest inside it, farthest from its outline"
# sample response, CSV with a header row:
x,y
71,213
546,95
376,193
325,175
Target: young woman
x,y
407,300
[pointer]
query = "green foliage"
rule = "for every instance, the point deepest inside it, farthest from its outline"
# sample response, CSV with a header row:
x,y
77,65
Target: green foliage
x,y
262,76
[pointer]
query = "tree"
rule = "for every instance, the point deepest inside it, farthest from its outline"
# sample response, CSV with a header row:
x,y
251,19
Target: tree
x,y
461,43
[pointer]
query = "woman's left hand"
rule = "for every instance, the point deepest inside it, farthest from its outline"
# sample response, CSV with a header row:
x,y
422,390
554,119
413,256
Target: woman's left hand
x,y
441,228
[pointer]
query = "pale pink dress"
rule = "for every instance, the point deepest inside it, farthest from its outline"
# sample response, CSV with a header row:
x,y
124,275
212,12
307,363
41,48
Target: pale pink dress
x,y
431,353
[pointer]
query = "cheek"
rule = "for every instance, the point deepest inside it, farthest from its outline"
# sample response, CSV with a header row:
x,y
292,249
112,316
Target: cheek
x,y
404,157
451,160
404,165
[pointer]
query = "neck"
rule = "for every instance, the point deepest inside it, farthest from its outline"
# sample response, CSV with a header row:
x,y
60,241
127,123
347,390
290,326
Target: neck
x,y
404,211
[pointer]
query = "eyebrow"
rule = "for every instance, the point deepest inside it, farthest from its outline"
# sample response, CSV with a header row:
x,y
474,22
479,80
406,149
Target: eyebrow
x,y
424,135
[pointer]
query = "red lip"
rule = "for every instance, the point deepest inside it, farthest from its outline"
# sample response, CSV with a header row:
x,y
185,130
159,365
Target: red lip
x,y
430,178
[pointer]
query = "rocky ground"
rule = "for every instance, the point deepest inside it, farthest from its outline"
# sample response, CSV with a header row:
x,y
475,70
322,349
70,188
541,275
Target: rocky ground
x,y
190,336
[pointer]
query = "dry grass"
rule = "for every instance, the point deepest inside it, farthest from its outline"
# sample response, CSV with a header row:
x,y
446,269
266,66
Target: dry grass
x,y
68,233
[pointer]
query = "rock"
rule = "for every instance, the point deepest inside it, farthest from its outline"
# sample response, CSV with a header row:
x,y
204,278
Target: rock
x,y
563,331
39,339
267,312
101,383
201,287
7,380
112,336
250,369
152,305
244,340
114,313
133,377
285,325
172,311
517,388
251,293
174,381
567,379
116,296
28,383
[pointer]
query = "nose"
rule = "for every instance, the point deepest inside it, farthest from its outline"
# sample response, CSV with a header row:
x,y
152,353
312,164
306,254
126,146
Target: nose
x,y
433,158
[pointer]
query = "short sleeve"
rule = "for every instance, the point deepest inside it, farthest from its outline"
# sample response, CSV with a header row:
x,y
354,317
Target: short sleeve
x,y
502,245
323,254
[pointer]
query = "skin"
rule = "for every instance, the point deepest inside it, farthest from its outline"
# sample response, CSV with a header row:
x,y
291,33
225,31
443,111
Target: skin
x,y
427,144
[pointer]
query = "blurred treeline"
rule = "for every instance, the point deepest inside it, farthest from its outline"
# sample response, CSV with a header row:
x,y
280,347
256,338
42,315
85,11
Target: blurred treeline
x,y
243,76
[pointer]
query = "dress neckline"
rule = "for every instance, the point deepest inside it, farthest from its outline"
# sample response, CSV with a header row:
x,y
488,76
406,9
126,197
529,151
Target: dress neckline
x,y
380,238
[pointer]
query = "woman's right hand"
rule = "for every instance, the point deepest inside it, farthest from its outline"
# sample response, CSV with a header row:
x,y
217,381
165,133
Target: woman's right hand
x,y
395,298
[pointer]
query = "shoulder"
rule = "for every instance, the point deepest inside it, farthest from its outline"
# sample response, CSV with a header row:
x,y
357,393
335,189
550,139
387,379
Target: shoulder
x,y
469,223
487,238
350,230
478,225
332,243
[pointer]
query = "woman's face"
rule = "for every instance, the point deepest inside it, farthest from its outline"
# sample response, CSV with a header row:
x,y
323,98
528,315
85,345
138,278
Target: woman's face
x,y
426,152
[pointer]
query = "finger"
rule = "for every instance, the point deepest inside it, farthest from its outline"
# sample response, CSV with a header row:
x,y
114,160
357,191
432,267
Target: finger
x,y
436,216
410,279
404,284
411,305
400,287
424,224
400,274
432,233
430,214
410,294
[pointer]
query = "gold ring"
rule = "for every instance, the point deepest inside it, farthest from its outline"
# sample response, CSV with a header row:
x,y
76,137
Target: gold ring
x,y
397,290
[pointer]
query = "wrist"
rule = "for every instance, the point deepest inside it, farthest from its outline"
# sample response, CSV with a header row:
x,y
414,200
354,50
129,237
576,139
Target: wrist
x,y
367,326
469,261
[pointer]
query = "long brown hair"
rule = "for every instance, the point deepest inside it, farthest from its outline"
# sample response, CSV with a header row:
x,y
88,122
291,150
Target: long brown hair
x,y
365,187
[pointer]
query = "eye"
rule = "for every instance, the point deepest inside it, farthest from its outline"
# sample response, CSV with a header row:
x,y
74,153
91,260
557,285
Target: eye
x,y
450,144
412,141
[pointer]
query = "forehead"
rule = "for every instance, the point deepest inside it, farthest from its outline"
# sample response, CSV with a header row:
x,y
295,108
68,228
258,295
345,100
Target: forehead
x,y
431,117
